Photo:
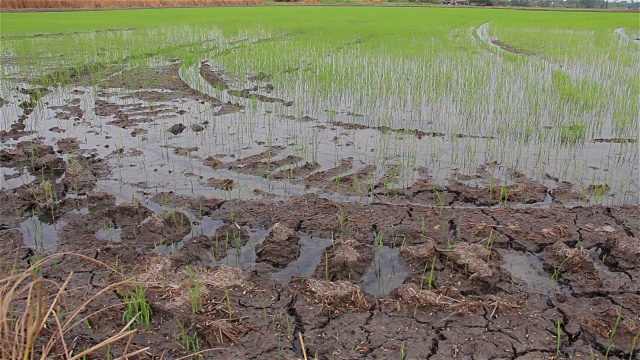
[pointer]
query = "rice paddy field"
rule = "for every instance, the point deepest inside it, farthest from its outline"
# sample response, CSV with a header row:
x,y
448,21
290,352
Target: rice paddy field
x,y
320,182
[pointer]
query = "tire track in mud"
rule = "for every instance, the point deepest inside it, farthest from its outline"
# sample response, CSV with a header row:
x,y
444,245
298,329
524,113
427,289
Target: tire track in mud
x,y
623,35
482,33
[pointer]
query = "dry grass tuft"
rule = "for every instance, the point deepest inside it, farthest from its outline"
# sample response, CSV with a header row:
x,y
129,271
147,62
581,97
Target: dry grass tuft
x,y
118,4
33,320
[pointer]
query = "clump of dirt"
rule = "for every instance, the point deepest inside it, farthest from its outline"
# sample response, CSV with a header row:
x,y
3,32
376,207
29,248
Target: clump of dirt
x,y
229,108
224,184
68,145
38,158
213,77
479,260
232,235
130,213
335,297
259,164
165,228
318,179
200,250
71,110
615,140
17,131
346,259
281,246
186,151
418,256
626,251
177,129
412,294
533,229
80,177
297,172
164,77
566,259
199,206
249,94
506,47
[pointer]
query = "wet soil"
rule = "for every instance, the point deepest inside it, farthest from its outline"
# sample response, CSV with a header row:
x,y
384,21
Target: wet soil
x,y
462,294
354,261
506,47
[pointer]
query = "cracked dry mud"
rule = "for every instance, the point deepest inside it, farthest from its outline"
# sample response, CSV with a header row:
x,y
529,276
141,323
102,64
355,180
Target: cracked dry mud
x,y
470,268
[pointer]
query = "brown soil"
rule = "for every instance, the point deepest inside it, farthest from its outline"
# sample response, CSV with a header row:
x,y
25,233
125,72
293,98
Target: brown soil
x,y
506,47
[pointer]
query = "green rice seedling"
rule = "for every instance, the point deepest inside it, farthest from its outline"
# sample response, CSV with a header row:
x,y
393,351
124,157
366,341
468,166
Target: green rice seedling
x,y
195,292
403,354
559,338
431,274
490,245
504,194
441,200
50,197
612,333
190,342
138,309
557,271
633,345
326,265
229,305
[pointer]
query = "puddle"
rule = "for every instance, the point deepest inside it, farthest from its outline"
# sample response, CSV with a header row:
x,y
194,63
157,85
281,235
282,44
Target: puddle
x,y
109,234
11,178
245,257
385,273
310,255
41,236
528,269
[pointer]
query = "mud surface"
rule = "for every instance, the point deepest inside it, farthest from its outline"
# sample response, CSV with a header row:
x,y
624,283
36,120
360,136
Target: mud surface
x,y
249,242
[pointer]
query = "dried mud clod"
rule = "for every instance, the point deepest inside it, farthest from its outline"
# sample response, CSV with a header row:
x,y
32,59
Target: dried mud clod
x,y
199,206
280,247
413,295
177,129
39,159
417,256
165,228
335,297
476,259
130,213
568,260
213,77
346,259
223,184
626,252
595,318
232,235
200,250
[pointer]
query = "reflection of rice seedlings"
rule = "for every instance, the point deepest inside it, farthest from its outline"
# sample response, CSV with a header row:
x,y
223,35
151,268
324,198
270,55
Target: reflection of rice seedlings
x,y
109,226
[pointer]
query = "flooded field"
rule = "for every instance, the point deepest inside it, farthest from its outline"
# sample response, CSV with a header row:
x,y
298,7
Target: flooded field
x,y
402,183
